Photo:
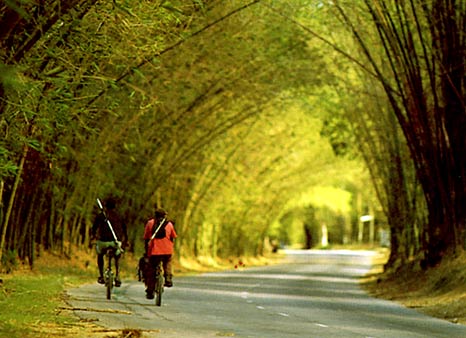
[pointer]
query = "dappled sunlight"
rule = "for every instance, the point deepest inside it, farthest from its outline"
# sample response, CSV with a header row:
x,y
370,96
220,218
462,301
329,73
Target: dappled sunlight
x,y
287,277
364,301
263,286
276,301
341,252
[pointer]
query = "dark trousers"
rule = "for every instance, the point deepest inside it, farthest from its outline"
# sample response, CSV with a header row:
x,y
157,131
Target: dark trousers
x,y
101,263
152,269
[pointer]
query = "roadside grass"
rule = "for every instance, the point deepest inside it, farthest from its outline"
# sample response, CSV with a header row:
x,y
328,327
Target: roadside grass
x,y
30,299
439,292
29,303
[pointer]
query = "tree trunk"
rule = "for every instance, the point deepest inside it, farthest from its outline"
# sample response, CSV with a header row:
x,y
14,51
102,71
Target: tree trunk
x,y
12,200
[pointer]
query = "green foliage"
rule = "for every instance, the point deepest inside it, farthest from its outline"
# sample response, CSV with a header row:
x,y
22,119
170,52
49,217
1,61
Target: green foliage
x,y
408,120
9,77
10,261
215,113
7,167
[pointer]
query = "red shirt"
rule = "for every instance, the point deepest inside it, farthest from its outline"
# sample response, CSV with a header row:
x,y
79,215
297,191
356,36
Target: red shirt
x,y
160,246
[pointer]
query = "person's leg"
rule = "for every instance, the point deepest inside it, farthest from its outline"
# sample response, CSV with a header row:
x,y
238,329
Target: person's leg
x,y
144,269
117,271
151,271
167,270
100,264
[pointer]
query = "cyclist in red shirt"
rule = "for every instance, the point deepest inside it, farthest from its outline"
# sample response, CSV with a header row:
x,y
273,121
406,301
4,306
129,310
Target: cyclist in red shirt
x,y
159,236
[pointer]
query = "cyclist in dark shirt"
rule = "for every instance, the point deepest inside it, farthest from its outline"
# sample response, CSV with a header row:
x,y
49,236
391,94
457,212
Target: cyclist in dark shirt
x,y
105,240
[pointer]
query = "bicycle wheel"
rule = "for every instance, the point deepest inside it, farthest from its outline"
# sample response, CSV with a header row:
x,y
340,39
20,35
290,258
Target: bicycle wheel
x,y
159,290
109,284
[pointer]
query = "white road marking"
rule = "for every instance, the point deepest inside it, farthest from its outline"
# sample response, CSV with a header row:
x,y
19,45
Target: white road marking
x,y
321,325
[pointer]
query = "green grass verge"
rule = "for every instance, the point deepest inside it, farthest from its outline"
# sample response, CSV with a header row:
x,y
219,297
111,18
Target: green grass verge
x,y
30,301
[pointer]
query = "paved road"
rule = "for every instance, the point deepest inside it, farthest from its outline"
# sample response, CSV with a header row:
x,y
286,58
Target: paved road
x,y
315,295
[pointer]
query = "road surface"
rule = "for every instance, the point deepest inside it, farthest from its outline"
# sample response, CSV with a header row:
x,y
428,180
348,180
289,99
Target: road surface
x,y
316,294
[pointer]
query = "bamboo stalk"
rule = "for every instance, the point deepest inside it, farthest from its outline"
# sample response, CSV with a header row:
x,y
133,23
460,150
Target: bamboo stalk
x,y
12,199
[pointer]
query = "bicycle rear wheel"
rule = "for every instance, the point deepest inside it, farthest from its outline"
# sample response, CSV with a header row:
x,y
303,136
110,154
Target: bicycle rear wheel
x,y
159,290
109,284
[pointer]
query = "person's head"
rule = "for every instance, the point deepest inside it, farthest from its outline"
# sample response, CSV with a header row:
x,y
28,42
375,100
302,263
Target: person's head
x,y
110,203
160,213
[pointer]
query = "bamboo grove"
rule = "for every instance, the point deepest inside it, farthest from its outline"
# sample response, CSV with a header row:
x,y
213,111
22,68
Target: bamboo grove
x,y
223,112
419,65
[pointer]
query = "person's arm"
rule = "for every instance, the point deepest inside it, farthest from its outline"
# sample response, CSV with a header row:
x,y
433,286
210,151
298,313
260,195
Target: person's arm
x,y
173,234
146,246
147,236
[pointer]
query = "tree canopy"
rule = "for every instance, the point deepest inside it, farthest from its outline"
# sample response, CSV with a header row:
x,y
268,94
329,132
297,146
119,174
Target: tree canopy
x,y
228,114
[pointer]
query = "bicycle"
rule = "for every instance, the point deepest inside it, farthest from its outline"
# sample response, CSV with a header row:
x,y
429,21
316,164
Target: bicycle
x,y
159,282
109,277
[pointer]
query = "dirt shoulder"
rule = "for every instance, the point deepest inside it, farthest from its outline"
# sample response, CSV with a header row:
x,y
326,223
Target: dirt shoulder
x,y
439,292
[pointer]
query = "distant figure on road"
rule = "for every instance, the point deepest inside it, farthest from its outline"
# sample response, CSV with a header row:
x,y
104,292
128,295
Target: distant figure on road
x,y
103,234
159,236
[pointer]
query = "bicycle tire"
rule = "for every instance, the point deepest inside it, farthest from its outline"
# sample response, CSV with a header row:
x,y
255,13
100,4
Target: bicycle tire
x,y
159,290
109,284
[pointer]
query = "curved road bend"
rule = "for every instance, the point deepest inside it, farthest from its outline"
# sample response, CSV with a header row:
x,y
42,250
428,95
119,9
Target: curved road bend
x,y
316,294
